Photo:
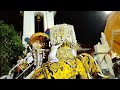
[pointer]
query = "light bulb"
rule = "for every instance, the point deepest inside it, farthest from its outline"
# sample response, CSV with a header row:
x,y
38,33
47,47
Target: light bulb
x,y
108,12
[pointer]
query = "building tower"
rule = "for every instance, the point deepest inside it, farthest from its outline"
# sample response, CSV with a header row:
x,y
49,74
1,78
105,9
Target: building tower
x,y
29,22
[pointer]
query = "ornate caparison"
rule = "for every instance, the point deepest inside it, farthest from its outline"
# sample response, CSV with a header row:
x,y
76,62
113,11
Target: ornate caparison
x,y
69,66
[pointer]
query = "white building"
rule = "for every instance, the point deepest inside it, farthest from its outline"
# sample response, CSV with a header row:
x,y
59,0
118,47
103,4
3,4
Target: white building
x,y
29,22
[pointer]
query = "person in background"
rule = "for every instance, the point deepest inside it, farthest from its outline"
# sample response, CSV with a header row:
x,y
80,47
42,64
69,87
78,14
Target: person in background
x,y
19,71
29,57
116,67
28,47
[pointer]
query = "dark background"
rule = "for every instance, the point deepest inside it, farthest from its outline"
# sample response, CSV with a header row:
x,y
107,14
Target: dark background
x,y
87,24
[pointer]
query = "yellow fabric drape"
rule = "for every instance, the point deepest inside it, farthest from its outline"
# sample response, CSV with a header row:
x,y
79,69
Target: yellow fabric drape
x,y
113,23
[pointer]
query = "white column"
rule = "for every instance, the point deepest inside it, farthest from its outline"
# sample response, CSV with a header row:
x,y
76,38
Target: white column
x,y
48,20
28,25
45,21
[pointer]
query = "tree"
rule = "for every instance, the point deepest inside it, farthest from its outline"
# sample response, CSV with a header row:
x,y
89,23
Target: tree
x,y
10,47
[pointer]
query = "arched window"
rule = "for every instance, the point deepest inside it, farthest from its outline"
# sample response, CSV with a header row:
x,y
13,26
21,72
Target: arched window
x,y
39,23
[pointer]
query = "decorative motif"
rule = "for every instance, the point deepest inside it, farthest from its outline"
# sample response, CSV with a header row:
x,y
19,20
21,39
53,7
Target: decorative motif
x,y
61,70
64,53
70,69
63,32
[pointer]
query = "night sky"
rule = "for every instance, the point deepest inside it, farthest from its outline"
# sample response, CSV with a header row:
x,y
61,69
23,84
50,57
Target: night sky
x,y
87,24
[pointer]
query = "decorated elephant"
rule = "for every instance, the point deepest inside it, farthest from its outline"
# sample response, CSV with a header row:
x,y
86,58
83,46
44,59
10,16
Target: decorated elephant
x,y
64,63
